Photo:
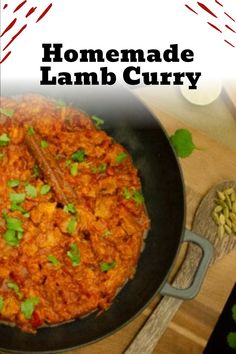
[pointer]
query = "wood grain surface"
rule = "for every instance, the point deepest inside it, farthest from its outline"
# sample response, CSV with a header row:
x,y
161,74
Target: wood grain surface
x,y
203,225
192,325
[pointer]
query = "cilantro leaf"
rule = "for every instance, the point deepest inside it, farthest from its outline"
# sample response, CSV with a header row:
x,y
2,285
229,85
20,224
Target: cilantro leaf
x,y
107,266
126,193
12,183
2,154
60,103
52,259
137,197
71,226
30,131
231,339
68,163
27,307
70,208
45,189
16,207
107,233
78,156
10,236
31,191
4,139
17,198
15,288
74,254
35,171
121,157
13,224
1,303
97,120
43,144
7,112
74,169
182,142
102,167
134,195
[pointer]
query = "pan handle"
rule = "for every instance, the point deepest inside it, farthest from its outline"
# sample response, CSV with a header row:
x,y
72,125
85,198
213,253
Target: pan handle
x,y
207,253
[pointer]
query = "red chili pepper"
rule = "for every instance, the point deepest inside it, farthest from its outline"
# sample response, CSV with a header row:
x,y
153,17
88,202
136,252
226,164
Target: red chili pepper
x,y
36,320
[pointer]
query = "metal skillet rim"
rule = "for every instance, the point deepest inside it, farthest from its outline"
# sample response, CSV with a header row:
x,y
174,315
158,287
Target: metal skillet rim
x,y
155,293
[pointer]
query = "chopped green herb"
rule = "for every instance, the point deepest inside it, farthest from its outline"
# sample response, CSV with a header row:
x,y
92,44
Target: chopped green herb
x,y
74,254
231,339
17,198
53,260
134,195
94,169
137,197
43,144
107,266
35,171
30,131
19,235
78,156
7,112
60,103
1,303
71,226
182,142
126,193
2,154
97,120
16,207
107,233
28,306
45,189
15,288
4,139
11,238
70,208
102,167
121,157
13,223
74,169
68,163
12,183
26,215
31,191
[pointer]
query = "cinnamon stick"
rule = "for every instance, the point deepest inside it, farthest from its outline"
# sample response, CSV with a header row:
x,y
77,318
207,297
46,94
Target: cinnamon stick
x,y
51,171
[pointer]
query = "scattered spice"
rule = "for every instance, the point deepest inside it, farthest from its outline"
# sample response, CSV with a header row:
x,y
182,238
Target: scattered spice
x,y
224,212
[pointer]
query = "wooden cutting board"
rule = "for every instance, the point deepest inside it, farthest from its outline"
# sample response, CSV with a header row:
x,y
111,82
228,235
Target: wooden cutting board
x,y
191,327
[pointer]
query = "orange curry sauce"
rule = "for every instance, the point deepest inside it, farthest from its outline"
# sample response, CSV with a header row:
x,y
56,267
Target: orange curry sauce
x,y
59,262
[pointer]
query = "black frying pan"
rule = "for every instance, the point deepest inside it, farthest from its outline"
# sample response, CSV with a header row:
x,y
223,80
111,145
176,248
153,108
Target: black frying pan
x,y
131,124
